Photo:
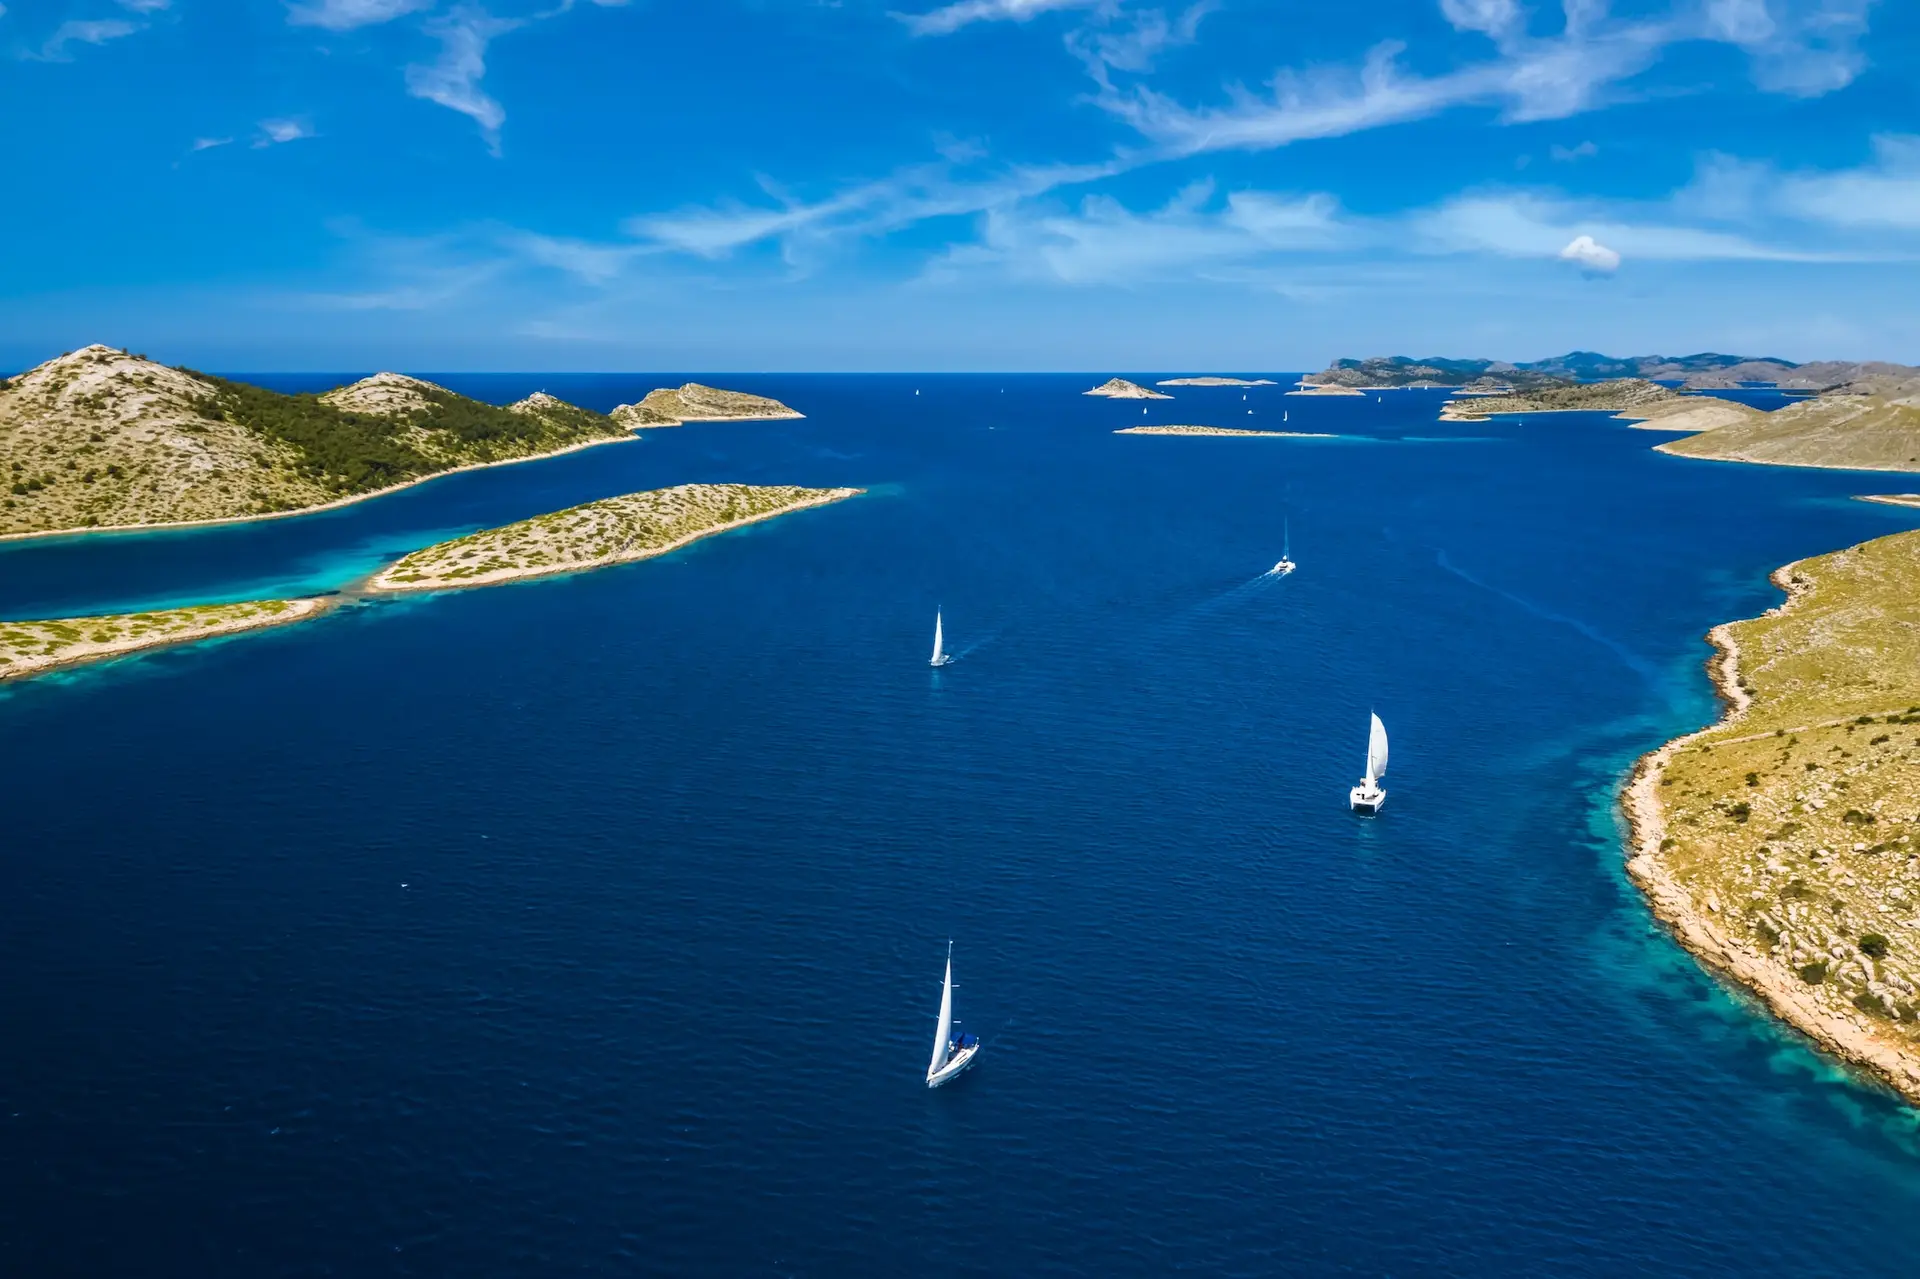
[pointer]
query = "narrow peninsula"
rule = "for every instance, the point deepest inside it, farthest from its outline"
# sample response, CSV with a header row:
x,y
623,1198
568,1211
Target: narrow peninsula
x,y
614,530
1219,430
1783,844
1119,388
29,648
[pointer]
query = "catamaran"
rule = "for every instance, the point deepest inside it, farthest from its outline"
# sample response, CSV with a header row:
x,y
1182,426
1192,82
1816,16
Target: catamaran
x,y
1286,564
940,655
951,1053
1369,795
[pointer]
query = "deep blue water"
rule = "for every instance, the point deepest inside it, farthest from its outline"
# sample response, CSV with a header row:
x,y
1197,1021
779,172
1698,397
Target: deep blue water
x,y
595,925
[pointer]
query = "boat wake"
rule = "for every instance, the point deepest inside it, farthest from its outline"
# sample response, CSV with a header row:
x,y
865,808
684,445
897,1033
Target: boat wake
x,y
1638,664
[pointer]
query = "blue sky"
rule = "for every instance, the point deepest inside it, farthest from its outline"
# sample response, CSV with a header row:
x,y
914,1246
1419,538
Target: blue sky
x,y
982,184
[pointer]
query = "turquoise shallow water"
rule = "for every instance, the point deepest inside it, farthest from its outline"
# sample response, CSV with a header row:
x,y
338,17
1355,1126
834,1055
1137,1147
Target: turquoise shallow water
x,y
594,925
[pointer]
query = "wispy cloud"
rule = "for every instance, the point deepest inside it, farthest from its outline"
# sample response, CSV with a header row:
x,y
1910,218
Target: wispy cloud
x,y
345,15
1103,242
207,144
1801,47
950,18
58,47
453,79
145,6
911,196
275,132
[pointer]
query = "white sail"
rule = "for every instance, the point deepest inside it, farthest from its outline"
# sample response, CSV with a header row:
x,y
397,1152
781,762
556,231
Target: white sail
x,y
937,642
945,1030
1377,750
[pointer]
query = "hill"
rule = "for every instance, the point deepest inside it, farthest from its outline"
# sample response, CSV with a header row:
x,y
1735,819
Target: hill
x,y
1873,426
101,438
696,403
1635,397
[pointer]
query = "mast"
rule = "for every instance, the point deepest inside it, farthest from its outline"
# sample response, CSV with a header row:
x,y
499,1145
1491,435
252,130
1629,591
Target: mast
x,y
945,1031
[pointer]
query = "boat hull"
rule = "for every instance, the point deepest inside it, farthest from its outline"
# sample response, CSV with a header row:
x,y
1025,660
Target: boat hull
x,y
942,660
955,1064
1367,802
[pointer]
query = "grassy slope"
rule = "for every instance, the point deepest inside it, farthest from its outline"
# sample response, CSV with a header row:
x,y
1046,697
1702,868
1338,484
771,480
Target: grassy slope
x,y
1798,823
1858,432
99,437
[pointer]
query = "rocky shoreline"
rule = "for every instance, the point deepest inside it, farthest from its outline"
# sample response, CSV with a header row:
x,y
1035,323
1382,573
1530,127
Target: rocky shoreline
x,y
1696,925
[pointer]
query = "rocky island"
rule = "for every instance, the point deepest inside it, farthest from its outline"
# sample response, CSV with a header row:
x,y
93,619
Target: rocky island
x,y
1120,389
1632,398
1783,844
28,648
1217,430
614,530
1216,381
696,403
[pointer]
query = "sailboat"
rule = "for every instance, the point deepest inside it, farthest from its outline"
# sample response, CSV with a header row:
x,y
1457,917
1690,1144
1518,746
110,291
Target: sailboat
x,y
1286,564
1283,415
940,655
951,1053
1369,796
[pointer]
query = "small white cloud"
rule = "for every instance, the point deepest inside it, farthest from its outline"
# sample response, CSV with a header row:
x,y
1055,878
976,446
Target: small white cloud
x,y
1566,155
1592,256
207,144
345,15
146,6
97,31
274,132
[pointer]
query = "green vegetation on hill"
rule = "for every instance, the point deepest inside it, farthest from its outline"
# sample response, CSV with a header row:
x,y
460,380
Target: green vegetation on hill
x,y
356,452
1614,396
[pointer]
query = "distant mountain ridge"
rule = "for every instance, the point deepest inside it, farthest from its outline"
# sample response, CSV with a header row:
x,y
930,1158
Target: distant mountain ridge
x,y
1705,370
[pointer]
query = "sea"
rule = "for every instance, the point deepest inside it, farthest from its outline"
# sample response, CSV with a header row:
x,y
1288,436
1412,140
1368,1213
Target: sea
x,y
595,925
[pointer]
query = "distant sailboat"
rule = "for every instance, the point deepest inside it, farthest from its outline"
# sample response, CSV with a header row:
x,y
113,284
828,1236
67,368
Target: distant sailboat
x,y
940,657
1283,415
1286,564
1369,795
951,1053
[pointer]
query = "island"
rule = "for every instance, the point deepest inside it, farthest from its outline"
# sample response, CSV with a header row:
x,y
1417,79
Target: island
x,y
1891,499
101,438
1782,845
1219,430
1706,370
614,530
1120,389
1633,398
694,402
1216,381
1325,388
29,648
